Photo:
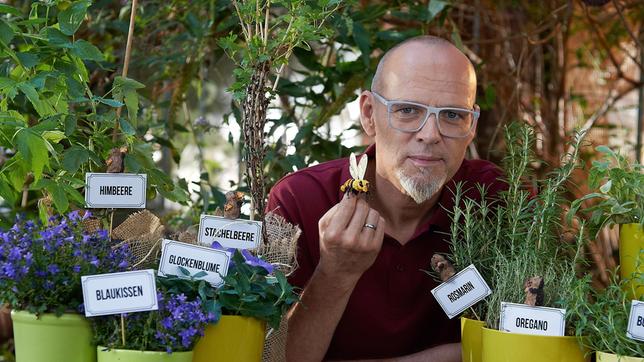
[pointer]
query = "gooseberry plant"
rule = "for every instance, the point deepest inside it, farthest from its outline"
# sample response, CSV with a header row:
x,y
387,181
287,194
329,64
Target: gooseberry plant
x,y
53,128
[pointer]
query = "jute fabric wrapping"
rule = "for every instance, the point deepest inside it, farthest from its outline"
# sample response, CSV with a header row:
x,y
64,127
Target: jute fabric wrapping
x,y
143,233
279,250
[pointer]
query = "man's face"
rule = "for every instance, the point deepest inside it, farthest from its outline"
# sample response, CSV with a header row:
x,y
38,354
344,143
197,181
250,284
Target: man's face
x,y
420,163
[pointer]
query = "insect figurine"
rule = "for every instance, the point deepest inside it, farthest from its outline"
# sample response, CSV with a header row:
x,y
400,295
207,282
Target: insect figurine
x,y
356,184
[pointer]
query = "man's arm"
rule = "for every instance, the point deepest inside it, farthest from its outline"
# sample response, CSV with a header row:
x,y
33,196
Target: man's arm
x,y
347,250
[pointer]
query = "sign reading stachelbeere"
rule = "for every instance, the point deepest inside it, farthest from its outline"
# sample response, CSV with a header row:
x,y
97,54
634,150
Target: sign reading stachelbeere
x,y
526,319
211,263
238,234
115,190
461,291
117,293
636,321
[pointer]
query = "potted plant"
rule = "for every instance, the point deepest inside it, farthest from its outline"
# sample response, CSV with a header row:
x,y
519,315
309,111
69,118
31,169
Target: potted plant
x,y
167,334
602,319
511,239
254,294
40,280
620,200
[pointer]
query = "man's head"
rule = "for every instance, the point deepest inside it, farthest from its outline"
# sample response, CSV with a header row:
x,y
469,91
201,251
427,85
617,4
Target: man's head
x,y
429,71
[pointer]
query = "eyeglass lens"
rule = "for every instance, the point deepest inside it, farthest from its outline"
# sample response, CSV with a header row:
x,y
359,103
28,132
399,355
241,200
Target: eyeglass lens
x,y
451,122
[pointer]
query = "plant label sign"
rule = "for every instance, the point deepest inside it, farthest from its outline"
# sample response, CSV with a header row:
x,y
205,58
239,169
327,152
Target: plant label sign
x,y
115,190
461,291
116,293
238,234
526,319
200,261
636,321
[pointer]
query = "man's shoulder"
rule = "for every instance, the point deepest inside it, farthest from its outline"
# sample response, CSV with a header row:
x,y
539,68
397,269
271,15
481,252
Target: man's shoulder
x,y
317,175
481,171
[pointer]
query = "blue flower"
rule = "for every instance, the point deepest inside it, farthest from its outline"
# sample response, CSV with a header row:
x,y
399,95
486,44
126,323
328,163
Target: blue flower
x,y
53,269
255,261
76,268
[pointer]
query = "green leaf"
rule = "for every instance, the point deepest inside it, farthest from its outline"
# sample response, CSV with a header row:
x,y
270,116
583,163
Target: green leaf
x,y
60,199
6,191
605,188
28,60
56,38
34,150
110,102
435,7
70,125
72,17
6,9
6,32
184,271
361,37
86,51
54,136
200,274
126,127
74,157
124,90
43,108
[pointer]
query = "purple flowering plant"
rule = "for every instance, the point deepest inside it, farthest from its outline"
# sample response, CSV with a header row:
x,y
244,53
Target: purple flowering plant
x,y
41,264
174,327
254,288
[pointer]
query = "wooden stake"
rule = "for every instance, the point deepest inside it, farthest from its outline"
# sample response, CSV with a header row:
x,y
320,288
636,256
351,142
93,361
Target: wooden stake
x,y
126,64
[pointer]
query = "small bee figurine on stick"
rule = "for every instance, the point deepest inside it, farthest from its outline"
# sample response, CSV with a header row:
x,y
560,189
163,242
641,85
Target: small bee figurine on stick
x,y
356,184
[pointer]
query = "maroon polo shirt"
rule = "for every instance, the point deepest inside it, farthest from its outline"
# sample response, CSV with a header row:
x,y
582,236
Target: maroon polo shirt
x,y
391,311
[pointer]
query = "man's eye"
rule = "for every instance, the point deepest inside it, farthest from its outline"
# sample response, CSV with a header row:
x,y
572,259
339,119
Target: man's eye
x,y
453,115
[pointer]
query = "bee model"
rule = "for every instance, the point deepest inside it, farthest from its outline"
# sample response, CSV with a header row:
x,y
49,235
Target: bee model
x,y
356,184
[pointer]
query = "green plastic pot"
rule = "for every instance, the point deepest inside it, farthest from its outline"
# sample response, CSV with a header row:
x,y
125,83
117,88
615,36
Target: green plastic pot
x,y
128,355
631,244
67,338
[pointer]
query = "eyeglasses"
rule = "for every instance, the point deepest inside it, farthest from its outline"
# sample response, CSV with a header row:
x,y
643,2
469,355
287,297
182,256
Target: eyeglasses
x,y
411,117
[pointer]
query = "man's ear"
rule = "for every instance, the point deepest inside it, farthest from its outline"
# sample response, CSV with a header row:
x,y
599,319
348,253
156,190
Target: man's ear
x,y
367,116
476,121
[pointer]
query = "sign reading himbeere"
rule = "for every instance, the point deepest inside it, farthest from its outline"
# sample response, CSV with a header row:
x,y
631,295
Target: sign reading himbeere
x,y
238,234
115,190
211,264
526,319
461,291
636,321
117,293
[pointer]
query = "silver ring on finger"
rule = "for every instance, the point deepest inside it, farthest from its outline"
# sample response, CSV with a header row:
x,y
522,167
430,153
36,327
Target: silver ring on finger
x,y
370,226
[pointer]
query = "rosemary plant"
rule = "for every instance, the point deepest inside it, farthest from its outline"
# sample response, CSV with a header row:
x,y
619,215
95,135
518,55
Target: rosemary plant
x,y
517,236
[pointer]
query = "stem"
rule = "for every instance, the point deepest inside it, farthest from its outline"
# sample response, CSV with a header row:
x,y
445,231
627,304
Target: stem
x,y
126,65
122,324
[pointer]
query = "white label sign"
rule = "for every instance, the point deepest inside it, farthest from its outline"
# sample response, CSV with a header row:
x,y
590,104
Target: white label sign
x,y
461,291
115,190
636,321
238,234
118,293
195,259
526,319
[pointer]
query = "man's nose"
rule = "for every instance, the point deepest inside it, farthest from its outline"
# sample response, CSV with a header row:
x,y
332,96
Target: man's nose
x,y
430,132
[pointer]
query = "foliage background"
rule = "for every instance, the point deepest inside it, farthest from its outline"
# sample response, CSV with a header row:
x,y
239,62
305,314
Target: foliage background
x,y
555,64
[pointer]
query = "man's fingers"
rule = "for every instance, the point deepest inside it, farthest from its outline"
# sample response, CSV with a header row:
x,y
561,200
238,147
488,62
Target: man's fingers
x,y
371,229
345,209
357,222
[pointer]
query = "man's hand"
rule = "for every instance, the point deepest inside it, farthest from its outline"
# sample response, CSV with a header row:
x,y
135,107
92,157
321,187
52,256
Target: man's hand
x,y
347,247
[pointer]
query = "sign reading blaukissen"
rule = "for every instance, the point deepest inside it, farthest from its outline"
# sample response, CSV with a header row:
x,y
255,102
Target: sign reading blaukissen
x,y
211,263
115,190
636,321
117,293
238,234
461,291
526,319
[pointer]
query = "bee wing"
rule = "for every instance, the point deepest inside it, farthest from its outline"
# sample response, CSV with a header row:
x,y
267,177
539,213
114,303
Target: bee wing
x,y
362,167
353,166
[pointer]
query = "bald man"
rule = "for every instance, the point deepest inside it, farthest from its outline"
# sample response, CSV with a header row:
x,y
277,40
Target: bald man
x,y
364,296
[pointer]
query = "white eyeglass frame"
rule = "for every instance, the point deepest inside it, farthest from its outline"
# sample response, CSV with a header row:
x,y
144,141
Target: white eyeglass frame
x,y
430,110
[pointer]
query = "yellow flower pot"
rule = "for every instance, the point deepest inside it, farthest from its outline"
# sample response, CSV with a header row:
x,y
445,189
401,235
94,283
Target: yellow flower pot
x,y
233,338
631,244
471,330
501,346
609,357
